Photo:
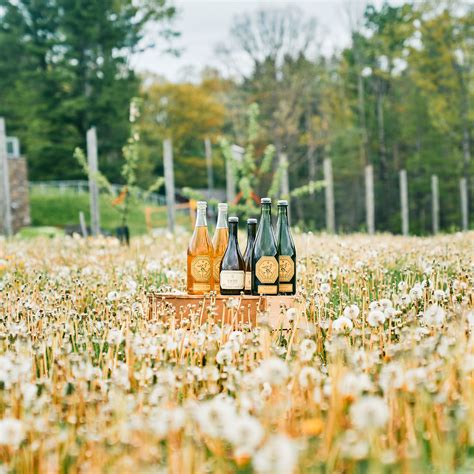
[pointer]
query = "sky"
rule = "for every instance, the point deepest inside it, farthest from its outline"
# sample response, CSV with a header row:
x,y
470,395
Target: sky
x,y
205,23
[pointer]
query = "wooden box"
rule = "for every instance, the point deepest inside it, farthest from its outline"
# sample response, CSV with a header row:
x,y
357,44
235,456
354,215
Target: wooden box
x,y
235,310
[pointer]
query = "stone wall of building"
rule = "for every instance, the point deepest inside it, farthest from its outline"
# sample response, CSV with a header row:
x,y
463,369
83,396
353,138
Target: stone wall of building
x,y
19,196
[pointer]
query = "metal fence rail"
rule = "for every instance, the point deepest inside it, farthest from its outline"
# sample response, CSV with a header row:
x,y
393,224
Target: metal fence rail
x,y
82,186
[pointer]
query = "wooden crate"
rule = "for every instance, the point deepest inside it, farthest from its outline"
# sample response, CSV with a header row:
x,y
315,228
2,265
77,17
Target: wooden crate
x,y
236,310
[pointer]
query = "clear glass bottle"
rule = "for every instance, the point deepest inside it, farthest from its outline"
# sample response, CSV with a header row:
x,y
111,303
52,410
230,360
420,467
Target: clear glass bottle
x,y
232,274
219,241
251,232
265,254
286,252
200,252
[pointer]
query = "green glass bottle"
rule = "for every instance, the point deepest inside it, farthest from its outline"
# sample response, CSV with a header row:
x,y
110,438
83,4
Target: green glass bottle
x,y
286,252
232,270
251,231
265,254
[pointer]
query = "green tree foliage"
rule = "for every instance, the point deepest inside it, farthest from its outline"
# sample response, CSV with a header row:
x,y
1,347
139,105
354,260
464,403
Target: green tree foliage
x,y
64,66
188,114
399,96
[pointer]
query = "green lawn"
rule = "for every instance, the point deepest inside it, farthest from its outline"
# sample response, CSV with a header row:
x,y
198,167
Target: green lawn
x,y
54,208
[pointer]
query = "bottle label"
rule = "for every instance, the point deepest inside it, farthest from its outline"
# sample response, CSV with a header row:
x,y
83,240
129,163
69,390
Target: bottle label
x,y
286,288
287,268
248,281
217,267
266,269
201,287
201,268
232,279
267,289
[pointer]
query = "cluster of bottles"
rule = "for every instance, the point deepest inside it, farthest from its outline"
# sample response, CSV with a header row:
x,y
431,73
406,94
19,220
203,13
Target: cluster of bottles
x,y
268,266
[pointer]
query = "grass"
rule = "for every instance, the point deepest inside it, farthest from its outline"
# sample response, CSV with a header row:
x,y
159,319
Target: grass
x,y
58,209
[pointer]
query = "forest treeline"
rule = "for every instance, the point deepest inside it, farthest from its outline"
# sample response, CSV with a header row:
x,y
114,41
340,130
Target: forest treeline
x,y
399,96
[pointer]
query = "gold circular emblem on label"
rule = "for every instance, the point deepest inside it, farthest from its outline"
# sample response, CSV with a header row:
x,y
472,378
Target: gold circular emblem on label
x,y
217,267
287,268
266,269
201,268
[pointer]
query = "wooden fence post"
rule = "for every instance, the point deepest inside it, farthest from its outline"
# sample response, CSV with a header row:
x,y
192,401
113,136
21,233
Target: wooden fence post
x,y
435,203
82,223
404,201
285,180
210,174
169,182
329,195
369,199
5,204
93,188
464,204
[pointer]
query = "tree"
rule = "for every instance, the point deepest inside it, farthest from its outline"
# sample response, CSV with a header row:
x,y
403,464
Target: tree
x,y
186,113
72,72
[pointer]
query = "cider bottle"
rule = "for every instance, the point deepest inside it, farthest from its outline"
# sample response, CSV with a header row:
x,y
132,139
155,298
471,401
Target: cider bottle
x,y
199,268
265,254
219,241
232,275
286,252
251,231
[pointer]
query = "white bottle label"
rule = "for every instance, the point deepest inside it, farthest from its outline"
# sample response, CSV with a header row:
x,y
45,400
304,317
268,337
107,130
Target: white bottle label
x,y
248,281
232,279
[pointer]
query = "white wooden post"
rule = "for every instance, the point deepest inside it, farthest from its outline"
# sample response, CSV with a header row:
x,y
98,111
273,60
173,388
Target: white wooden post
x,y
285,180
404,201
464,204
435,203
5,204
369,199
93,188
169,182
329,194
82,223
210,174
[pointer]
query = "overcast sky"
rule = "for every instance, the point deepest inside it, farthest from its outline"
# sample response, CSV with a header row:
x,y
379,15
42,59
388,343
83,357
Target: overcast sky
x,y
204,23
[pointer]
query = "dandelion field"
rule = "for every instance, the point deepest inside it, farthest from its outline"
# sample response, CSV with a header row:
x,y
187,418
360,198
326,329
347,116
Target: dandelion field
x,y
376,375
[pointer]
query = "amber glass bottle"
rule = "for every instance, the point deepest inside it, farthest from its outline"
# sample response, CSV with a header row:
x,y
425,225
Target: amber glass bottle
x,y
251,231
219,241
200,251
286,252
265,254
232,276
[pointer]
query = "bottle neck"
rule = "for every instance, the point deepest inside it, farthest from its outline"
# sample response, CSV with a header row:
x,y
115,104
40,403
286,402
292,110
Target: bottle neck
x,y
222,219
283,215
266,214
233,228
201,219
251,231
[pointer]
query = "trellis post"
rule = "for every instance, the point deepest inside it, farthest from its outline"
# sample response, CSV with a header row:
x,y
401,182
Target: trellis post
x,y
92,160
369,199
5,204
169,182
329,195
404,201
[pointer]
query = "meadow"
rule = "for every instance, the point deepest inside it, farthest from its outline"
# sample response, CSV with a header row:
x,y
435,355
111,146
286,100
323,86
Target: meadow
x,y
375,375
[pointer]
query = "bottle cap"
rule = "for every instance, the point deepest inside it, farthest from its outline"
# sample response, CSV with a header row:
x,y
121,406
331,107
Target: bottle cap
x,y
265,201
283,202
202,204
252,221
233,219
222,206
